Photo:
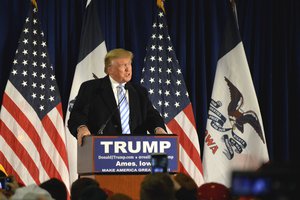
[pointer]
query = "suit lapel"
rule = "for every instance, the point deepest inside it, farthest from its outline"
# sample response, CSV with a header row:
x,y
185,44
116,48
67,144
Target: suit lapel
x,y
108,97
133,105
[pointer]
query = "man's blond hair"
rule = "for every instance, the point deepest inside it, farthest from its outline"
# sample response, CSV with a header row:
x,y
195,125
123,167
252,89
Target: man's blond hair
x,y
116,53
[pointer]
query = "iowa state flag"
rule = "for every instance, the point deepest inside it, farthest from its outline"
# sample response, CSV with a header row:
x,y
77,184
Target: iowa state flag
x,y
90,66
234,138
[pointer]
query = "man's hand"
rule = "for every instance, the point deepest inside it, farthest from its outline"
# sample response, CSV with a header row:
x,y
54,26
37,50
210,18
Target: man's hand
x,y
12,185
160,130
81,132
177,186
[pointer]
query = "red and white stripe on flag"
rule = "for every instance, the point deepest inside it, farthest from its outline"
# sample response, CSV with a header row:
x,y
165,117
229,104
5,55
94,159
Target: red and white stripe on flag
x,y
189,152
33,150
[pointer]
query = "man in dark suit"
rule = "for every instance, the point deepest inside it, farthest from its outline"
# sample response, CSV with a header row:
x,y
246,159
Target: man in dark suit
x,y
96,109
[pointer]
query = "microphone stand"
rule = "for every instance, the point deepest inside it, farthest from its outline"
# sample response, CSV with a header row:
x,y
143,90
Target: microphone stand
x,y
100,131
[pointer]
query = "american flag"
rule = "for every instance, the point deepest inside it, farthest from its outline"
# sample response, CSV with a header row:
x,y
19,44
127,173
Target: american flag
x,y
163,78
32,137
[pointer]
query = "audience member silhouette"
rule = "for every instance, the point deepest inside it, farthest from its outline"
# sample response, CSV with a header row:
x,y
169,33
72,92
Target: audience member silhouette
x,y
213,191
187,187
92,192
81,183
157,186
31,192
56,188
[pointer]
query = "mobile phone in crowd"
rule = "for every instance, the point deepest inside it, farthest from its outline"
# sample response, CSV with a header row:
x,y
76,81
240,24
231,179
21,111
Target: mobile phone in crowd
x,y
3,183
159,162
250,184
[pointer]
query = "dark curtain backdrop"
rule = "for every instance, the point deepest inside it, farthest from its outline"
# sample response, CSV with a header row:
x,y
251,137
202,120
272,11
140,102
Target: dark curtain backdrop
x,y
270,30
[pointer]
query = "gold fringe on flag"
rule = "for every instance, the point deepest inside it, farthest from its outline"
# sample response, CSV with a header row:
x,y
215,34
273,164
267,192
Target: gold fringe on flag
x,y
3,170
160,4
34,3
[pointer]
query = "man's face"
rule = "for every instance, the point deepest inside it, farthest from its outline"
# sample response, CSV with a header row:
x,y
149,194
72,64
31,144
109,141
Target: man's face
x,y
120,70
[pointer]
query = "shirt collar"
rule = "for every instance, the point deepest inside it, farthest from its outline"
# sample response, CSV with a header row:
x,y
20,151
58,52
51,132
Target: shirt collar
x,y
115,83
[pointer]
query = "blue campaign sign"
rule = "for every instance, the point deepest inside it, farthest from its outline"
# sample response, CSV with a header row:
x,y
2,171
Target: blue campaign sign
x,y
132,154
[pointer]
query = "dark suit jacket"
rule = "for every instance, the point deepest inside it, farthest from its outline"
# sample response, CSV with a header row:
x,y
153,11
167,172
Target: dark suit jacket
x,y
95,102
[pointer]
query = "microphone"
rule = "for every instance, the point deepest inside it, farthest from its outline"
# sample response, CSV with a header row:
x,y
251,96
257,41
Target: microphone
x,y
100,131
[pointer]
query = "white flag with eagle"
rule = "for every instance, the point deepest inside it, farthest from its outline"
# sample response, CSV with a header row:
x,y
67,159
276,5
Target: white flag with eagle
x,y
90,66
234,138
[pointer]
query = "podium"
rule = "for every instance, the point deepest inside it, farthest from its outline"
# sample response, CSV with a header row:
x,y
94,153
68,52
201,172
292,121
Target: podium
x,y
120,163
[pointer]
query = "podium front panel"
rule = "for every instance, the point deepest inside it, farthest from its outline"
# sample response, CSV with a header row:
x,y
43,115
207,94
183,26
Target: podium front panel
x,y
125,154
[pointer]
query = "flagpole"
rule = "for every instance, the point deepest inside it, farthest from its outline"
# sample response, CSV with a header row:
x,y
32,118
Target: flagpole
x,y
233,5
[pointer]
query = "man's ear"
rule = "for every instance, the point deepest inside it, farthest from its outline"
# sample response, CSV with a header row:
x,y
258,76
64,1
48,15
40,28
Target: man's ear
x,y
108,70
